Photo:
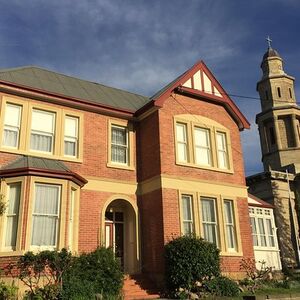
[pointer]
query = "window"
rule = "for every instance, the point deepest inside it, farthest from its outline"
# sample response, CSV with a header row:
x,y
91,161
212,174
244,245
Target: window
x,y
187,214
290,92
209,220
229,225
12,215
182,146
262,224
71,136
202,146
45,220
42,131
278,92
37,129
71,217
222,150
12,121
119,145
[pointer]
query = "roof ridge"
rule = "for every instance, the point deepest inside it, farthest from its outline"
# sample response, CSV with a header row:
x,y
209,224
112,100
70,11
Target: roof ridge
x,y
69,76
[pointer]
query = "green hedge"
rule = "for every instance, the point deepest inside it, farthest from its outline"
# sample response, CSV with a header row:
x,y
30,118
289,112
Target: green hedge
x,y
92,273
190,259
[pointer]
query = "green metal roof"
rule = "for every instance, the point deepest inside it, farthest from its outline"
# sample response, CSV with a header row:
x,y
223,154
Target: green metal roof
x,y
48,81
36,163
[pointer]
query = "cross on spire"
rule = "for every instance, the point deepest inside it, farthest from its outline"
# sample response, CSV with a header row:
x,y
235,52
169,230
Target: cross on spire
x,y
269,41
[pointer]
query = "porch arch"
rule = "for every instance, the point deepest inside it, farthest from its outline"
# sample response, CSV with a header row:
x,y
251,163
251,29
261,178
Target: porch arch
x,y
131,241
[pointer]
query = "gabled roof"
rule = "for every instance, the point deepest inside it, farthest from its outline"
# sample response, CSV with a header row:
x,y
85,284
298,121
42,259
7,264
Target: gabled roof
x,y
37,166
52,82
200,83
255,201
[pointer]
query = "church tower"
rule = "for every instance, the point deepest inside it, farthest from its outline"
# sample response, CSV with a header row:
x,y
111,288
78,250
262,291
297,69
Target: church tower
x,y
278,122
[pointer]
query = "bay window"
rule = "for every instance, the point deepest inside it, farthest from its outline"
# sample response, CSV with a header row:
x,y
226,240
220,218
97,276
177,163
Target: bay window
x,y
12,215
42,131
45,217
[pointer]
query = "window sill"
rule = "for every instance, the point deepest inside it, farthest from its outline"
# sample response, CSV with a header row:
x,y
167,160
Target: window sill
x,y
11,253
40,154
227,171
119,166
233,254
269,249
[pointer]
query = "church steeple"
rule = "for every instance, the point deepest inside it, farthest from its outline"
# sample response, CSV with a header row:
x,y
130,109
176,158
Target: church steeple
x,y
279,120
275,88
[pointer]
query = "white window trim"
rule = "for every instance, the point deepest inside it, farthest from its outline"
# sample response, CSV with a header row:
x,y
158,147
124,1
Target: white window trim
x,y
57,216
264,217
126,146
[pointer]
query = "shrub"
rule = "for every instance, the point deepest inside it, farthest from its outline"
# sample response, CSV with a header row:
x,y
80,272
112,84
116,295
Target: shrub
x,y
97,272
189,259
222,286
42,272
7,291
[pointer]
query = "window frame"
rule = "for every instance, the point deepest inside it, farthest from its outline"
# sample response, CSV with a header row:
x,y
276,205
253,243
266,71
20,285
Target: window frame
x,y
130,144
44,133
61,234
220,219
3,219
192,122
255,215
25,128
77,138
192,212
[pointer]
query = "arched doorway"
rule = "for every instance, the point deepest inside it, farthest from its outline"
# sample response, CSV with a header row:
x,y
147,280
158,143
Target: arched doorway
x,y
121,233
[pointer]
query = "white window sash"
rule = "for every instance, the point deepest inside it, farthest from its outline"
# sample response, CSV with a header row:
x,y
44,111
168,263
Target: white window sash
x,y
187,214
12,216
119,150
223,161
182,144
45,224
210,227
202,147
12,123
42,133
71,136
230,225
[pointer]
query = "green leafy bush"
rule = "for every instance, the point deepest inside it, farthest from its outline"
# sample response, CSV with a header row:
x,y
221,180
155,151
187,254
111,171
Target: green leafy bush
x,y
189,260
8,291
92,273
222,286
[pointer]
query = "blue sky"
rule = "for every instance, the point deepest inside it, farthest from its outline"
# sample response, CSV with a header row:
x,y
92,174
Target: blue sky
x,y
140,45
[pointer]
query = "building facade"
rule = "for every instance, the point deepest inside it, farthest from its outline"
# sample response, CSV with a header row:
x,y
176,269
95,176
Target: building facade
x,y
84,165
278,125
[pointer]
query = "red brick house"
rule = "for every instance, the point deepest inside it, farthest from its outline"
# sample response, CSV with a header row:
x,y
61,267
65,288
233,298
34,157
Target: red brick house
x,y
82,165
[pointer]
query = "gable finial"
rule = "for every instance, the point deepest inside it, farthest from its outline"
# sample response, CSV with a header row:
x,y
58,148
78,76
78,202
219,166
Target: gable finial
x,y
269,42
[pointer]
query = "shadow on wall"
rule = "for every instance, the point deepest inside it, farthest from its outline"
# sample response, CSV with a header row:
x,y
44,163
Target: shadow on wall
x,y
285,228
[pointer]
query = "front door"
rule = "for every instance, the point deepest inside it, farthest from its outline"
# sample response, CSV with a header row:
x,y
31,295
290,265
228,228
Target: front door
x,y
114,233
